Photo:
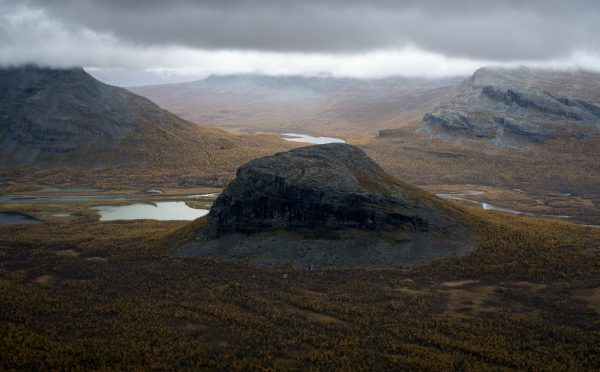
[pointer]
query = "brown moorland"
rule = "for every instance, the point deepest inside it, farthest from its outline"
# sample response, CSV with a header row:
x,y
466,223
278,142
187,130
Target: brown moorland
x,y
109,295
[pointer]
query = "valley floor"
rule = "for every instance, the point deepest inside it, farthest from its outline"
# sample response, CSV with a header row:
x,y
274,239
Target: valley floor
x,y
106,295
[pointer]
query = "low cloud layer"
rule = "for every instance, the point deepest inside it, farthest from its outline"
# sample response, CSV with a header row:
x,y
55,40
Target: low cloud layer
x,y
499,30
332,37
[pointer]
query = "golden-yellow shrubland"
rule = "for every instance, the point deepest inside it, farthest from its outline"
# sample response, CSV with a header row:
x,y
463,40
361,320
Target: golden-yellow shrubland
x,y
108,295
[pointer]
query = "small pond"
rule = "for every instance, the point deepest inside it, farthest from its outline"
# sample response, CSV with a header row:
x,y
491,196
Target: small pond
x,y
57,214
163,211
17,218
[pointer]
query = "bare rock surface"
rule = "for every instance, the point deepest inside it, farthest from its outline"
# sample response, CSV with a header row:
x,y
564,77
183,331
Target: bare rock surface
x,y
327,205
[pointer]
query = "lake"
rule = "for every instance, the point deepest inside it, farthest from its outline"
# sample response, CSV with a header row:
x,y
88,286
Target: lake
x,y
68,189
163,211
310,139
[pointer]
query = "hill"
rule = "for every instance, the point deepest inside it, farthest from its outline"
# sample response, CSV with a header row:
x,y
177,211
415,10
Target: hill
x,y
328,205
65,125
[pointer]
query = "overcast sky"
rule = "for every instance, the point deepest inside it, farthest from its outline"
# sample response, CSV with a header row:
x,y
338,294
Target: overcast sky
x,y
142,41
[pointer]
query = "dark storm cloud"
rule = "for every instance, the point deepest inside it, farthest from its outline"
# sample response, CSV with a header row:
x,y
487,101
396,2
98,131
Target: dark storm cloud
x,y
493,30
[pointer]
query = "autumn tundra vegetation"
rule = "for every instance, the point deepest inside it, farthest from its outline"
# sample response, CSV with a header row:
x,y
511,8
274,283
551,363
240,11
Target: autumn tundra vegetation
x,y
441,282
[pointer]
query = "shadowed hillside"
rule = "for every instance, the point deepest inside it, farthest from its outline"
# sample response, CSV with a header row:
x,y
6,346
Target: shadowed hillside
x,y
62,123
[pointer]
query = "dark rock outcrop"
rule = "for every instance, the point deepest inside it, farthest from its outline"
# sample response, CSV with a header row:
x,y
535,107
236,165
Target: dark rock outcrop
x,y
531,132
449,120
543,104
328,197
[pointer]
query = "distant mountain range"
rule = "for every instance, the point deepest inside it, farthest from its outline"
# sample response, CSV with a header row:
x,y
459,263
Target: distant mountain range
x,y
497,105
66,119
337,107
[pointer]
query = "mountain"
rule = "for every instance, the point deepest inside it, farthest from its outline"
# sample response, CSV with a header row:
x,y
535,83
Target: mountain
x,y
534,130
66,119
336,107
328,205
533,105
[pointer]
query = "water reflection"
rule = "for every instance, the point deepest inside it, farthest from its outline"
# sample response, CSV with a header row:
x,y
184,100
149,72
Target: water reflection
x,y
163,211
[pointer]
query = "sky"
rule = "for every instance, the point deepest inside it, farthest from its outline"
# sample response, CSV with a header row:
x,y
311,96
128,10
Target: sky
x,y
137,42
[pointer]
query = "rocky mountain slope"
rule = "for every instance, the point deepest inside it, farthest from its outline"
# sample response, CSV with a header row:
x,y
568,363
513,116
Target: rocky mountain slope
x,y
533,105
328,205
320,106
64,118
517,129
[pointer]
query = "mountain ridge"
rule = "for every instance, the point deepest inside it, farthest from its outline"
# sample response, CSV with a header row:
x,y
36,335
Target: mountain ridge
x,y
64,118
532,105
335,107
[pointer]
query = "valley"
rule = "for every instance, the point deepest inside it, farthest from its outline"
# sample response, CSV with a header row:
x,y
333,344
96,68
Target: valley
x,y
299,185
65,204
398,133
346,108
188,246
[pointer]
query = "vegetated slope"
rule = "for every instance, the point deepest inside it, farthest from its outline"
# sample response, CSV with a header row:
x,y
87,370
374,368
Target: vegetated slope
x,y
77,294
325,106
67,121
328,205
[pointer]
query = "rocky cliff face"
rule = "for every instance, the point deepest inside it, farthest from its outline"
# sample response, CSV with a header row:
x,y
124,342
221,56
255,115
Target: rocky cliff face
x,y
507,105
326,195
317,188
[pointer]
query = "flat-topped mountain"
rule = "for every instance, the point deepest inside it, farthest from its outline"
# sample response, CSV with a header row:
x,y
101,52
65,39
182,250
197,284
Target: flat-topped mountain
x,y
64,118
503,105
327,205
